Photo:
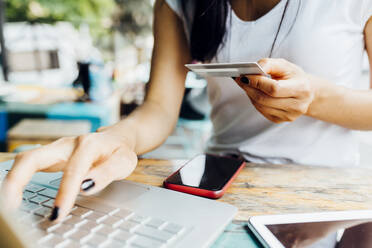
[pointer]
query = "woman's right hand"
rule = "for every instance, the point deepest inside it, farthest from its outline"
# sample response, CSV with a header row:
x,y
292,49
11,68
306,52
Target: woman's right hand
x,y
89,163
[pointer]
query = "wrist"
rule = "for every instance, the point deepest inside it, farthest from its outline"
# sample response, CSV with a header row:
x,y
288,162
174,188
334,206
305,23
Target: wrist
x,y
124,129
319,92
326,95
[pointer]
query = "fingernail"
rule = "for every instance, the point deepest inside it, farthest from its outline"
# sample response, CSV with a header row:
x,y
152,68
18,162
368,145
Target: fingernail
x,y
244,80
54,214
87,184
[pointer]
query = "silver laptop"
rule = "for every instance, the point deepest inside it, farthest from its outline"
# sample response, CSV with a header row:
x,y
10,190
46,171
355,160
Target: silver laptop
x,y
125,214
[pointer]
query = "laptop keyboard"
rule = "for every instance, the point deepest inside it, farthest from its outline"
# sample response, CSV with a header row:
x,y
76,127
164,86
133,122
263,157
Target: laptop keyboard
x,y
92,224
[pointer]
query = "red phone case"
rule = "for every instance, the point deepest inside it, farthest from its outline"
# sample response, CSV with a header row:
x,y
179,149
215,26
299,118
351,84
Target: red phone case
x,y
201,192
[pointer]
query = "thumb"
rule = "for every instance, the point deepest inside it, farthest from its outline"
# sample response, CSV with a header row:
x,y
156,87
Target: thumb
x,y
277,68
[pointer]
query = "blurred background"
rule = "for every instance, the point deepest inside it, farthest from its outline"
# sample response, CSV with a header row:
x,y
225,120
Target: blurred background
x,y
69,67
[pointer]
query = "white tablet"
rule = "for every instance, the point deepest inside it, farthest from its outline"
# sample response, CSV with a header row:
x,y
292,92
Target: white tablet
x,y
315,230
227,69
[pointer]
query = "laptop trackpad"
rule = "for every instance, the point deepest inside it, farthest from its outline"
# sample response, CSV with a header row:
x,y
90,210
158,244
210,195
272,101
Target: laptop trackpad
x,y
121,192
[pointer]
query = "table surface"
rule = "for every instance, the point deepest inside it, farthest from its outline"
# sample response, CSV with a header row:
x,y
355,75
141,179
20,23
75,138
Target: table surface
x,y
273,189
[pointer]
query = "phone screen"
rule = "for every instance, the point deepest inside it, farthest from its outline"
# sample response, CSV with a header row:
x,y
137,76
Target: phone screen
x,y
206,172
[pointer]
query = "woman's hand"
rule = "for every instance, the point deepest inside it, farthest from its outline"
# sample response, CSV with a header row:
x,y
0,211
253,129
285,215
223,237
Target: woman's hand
x,y
284,97
89,163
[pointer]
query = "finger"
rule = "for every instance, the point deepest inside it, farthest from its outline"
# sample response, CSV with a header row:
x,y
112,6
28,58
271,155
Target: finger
x,y
287,104
271,118
277,67
118,166
102,129
275,88
264,84
274,115
27,163
267,85
266,100
85,154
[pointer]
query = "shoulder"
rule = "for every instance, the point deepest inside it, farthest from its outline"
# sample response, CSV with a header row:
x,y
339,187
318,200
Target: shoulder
x,y
367,12
176,6
357,11
183,8
352,11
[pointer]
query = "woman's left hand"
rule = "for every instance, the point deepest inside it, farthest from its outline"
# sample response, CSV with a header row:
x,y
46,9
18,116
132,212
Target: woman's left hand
x,y
282,98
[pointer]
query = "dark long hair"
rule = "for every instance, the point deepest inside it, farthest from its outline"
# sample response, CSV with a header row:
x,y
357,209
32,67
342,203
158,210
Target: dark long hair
x,y
208,28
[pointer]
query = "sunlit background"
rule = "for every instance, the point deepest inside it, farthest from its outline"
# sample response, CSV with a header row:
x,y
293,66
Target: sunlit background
x,y
85,64
70,67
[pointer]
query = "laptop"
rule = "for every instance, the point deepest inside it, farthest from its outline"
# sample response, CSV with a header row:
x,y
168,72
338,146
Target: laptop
x,y
125,214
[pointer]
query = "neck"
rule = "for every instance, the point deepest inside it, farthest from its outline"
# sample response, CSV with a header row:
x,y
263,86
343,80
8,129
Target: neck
x,y
250,10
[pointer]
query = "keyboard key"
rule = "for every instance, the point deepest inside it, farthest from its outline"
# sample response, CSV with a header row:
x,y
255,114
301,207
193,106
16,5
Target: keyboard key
x,y
64,230
29,207
96,240
47,225
45,238
96,228
138,218
112,221
63,244
73,244
51,193
27,195
35,233
34,188
80,236
123,213
22,214
128,226
54,241
74,221
154,233
107,231
97,217
49,204
33,219
146,242
81,212
89,225
55,182
97,206
156,223
39,199
43,212
113,244
123,236
173,228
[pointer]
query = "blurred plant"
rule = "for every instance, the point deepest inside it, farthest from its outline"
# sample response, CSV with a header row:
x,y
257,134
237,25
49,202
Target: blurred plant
x,y
96,13
133,18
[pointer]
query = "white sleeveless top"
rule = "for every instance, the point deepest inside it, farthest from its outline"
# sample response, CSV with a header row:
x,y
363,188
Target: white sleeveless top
x,y
325,38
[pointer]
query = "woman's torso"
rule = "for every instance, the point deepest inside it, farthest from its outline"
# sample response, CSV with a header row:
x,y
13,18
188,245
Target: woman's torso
x,y
325,38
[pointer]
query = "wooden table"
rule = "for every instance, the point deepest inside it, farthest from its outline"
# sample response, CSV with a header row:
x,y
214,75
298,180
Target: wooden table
x,y
273,189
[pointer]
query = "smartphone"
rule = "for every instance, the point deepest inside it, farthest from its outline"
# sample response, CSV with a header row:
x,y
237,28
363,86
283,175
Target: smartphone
x,y
206,175
227,69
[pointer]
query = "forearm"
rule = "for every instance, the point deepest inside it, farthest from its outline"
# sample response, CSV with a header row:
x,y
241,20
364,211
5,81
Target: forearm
x,y
151,123
342,106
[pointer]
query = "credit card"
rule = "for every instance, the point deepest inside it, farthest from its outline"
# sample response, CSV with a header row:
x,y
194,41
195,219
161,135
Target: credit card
x,y
227,69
